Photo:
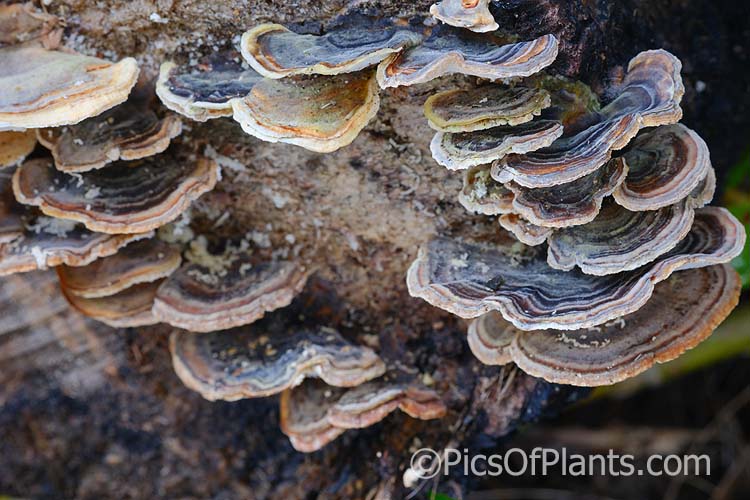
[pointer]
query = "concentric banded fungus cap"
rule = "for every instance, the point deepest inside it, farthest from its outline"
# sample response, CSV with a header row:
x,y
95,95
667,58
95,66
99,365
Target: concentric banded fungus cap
x,y
359,42
258,360
22,23
31,241
681,313
666,164
650,96
471,14
129,131
47,242
483,195
313,414
573,104
303,415
370,403
206,90
319,113
200,299
46,88
570,204
15,146
489,338
484,107
470,280
468,149
524,231
128,308
141,262
453,50
619,240
124,197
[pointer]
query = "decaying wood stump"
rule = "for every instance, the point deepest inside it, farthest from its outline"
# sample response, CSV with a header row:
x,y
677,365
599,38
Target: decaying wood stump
x,y
89,411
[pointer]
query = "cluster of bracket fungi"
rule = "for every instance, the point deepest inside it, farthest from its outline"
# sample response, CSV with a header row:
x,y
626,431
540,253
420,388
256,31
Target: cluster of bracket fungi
x,y
607,204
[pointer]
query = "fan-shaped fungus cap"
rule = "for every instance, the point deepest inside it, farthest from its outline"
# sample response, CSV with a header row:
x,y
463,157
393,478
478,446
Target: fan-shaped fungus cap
x,y
468,149
703,192
479,108
489,338
568,158
314,414
130,307
206,90
303,415
483,195
44,88
470,280
524,231
141,262
471,14
666,164
130,131
452,50
47,242
619,240
121,198
570,204
259,360
650,96
22,22
370,403
15,146
319,113
573,102
681,313
276,52
201,299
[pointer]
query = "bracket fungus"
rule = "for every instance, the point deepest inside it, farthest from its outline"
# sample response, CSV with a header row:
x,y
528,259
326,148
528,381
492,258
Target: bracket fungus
x,y
31,241
314,414
144,261
451,50
303,415
470,14
619,240
457,151
15,147
480,108
319,113
46,88
524,231
124,197
129,131
666,163
489,337
481,194
681,313
130,307
201,299
258,360
46,242
276,52
371,402
650,96
570,204
470,280
205,91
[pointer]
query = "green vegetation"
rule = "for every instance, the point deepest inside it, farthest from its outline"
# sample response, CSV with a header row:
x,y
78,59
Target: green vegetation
x,y
737,200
